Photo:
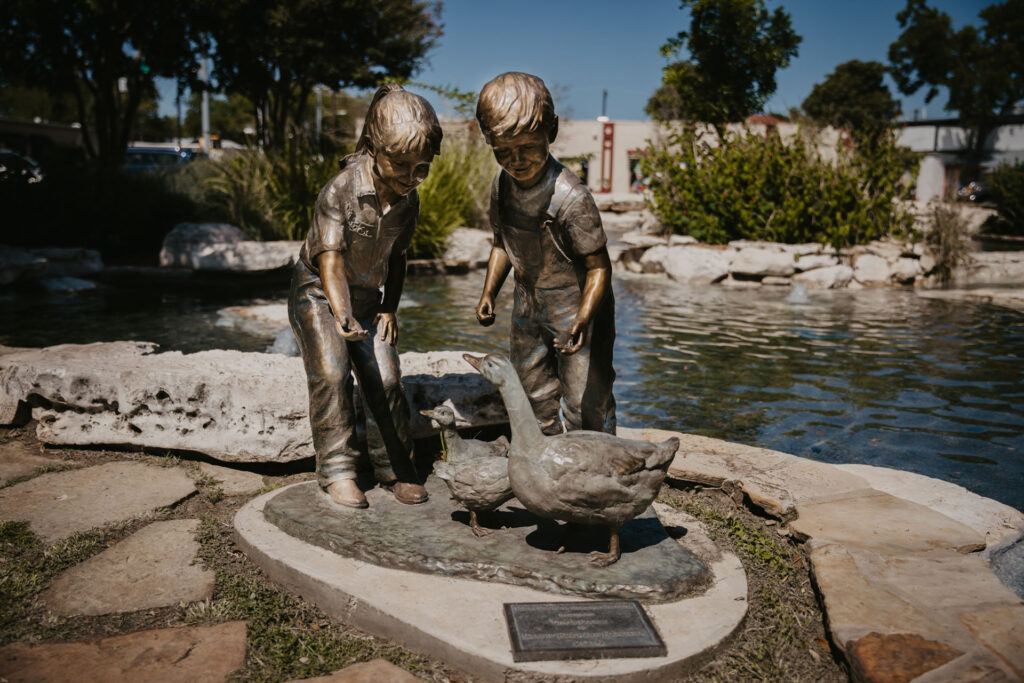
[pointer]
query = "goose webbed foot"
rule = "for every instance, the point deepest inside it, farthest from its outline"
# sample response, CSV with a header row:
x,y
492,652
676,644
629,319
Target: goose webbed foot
x,y
599,559
474,525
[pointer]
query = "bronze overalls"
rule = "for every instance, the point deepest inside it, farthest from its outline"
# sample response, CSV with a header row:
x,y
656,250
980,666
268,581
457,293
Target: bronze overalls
x,y
548,287
330,360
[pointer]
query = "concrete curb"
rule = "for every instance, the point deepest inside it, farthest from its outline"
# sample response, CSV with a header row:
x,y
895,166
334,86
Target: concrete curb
x,y
461,621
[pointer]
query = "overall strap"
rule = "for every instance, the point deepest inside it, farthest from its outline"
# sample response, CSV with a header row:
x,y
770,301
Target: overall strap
x,y
563,187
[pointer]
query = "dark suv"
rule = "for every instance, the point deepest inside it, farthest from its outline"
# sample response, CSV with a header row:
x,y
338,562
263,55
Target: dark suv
x,y
155,158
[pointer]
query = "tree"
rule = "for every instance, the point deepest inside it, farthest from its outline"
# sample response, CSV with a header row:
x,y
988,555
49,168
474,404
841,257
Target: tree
x,y
229,116
103,54
853,96
665,104
276,51
982,70
735,48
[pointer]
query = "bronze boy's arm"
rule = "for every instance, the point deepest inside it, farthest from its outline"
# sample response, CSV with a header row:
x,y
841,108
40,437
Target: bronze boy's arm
x,y
498,268
332,275
598,282
387,320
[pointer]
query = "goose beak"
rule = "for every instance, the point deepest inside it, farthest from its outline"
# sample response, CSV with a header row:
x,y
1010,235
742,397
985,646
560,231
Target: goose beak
x,y
475,361
428,413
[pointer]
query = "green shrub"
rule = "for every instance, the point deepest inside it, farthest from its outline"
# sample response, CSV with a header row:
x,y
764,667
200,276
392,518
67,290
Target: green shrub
x,y
270,196
761,187
1007,183
948,240
455,194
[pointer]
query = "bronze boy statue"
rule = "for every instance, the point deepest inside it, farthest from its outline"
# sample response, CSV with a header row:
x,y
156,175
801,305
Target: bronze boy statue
x,y
548,230
362,226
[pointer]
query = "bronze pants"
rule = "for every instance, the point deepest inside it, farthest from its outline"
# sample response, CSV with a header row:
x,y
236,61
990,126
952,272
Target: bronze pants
x,y
330,362
579,384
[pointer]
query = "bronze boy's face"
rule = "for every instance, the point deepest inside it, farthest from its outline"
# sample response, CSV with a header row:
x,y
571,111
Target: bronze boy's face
x,y
523,156
401,172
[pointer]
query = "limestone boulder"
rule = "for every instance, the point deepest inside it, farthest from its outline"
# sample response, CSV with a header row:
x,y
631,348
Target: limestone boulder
x,y
812,261
653,260
871,270
830,277
991,268
17,263
905,270
186,239
69,262
698,264
470,245
758,262
223,247
681,240
231,405
644,240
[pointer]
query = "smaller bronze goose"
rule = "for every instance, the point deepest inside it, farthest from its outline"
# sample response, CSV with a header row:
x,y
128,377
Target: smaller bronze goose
x,y
584,477
475,471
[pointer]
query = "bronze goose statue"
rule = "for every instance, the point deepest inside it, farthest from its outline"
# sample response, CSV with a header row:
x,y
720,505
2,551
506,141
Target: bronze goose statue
x,y
475,471
583,476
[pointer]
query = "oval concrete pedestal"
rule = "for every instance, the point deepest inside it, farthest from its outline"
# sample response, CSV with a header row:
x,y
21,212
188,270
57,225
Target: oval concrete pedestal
x,y
461,621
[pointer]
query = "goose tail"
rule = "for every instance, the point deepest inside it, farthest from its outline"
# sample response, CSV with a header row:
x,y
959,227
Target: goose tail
x,y
663,454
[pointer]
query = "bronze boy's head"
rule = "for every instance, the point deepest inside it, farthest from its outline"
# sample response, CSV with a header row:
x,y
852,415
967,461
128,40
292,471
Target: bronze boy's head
x,y
517,117
402,135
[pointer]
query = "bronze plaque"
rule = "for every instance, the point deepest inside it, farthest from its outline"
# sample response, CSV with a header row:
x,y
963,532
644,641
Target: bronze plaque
x,y
581,630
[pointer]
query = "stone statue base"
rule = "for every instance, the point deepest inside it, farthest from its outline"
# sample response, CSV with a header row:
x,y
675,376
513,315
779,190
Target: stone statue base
x,y
435,538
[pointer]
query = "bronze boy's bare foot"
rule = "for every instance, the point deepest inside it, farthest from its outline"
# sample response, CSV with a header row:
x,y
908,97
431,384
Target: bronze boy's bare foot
x,y
346,492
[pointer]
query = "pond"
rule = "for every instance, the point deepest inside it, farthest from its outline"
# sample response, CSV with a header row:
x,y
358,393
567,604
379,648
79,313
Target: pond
x,y
881,377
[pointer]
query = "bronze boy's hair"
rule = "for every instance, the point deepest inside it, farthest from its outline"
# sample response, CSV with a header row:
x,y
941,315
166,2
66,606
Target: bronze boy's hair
x,y
399,121
515,103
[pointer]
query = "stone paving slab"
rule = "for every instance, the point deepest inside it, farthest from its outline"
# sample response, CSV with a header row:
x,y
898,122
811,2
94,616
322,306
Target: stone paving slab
x,y
374,671
774,481
18,460
154,567
59,504
882,523
461,620
179,655
233,482
989,517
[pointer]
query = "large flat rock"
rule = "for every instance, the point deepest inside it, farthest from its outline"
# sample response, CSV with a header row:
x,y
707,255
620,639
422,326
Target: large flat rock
x,y
461,620
435,538
59,504
154,567
17,460
231,405
205,654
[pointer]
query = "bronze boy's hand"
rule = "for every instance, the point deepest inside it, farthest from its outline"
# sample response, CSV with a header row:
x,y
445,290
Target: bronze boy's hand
x,y
387,326
574,342
485,311
349,328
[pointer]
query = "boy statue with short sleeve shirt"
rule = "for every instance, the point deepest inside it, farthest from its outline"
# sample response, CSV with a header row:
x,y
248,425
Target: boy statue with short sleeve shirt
x,y
548,231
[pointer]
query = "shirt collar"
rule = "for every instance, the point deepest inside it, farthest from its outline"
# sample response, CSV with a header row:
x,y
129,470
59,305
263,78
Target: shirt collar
x,y
364,177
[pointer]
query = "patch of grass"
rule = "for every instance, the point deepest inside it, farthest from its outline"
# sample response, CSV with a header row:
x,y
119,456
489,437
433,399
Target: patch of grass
x,y
287,637
783,637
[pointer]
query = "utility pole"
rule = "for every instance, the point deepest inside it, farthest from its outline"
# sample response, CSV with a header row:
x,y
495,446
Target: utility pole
x,y
319,119
204,76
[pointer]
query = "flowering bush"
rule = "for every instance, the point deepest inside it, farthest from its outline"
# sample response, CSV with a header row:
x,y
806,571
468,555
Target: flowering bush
x,y
761,187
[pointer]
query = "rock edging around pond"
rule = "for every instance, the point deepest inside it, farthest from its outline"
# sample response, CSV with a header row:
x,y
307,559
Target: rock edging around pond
x,y
894,556
231,405
815,266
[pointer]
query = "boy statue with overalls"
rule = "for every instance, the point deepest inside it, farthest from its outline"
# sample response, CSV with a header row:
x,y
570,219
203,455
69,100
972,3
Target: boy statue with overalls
x,y
548,230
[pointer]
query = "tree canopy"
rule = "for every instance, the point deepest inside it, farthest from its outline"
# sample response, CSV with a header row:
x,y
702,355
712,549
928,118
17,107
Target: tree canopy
x,y
983,70
276,51
103,55
854,96
735,47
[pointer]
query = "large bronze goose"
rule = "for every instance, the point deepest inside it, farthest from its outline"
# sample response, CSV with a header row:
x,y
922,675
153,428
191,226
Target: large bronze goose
x,y
583,477
475,471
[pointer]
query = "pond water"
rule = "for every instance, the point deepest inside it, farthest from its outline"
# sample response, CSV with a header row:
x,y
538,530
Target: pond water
x,y
880,377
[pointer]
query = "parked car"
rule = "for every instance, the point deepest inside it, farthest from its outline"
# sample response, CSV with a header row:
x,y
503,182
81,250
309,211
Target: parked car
x,y
16,169
156,158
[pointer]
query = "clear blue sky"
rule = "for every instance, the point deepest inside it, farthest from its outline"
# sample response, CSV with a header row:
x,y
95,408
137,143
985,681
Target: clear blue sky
x,y
580,47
